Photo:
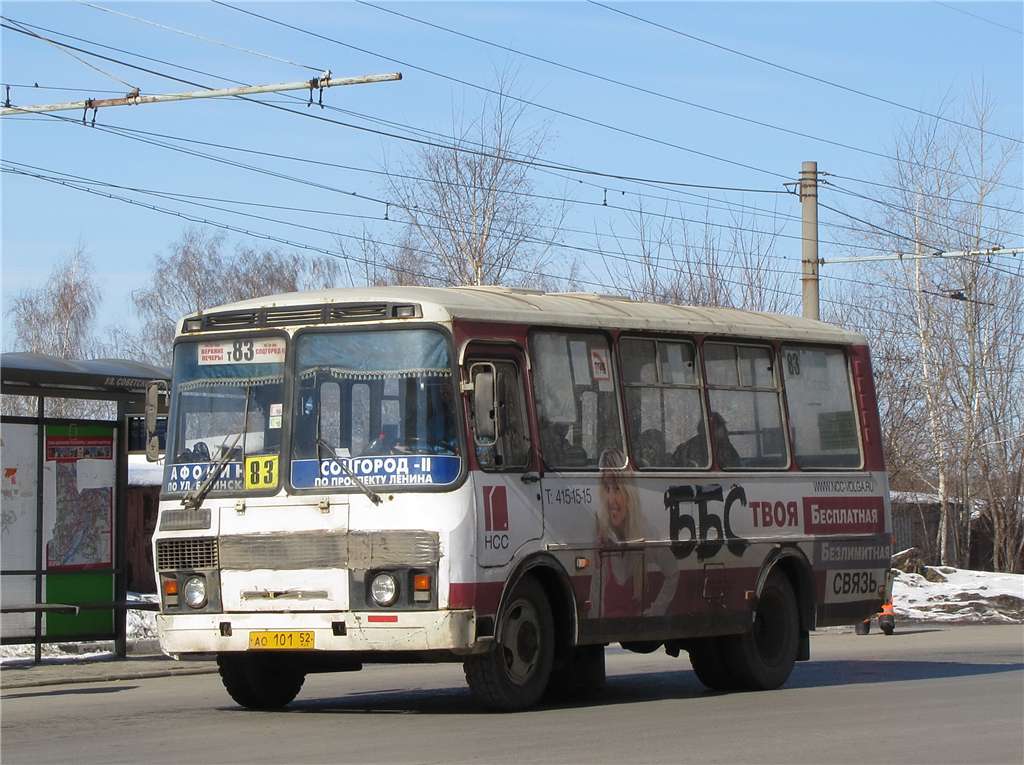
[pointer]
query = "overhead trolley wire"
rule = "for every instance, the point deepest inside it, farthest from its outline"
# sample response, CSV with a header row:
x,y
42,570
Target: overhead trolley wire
x,y
211,40
461,149
518,99
805,75
613,256
646,90
979,17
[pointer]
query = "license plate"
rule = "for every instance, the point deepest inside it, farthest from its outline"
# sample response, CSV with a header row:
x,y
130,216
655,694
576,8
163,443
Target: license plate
x,y
289,640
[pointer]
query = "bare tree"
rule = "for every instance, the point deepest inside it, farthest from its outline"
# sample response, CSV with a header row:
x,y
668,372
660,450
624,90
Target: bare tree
x,y
662,261
961,351
198,273
469,205
59,319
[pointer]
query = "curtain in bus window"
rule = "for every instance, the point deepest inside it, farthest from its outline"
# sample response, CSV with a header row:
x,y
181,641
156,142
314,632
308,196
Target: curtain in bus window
x,y
576,400
822,421
746,414
664,411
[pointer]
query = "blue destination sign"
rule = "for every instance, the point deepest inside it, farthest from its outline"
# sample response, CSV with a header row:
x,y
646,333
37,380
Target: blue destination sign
x,y
383,470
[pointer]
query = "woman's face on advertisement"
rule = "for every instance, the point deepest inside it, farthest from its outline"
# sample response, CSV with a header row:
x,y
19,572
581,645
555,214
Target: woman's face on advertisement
x,y
615,498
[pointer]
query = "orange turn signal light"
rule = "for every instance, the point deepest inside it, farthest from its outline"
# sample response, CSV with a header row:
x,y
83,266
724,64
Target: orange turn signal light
x,y
421,582
170,586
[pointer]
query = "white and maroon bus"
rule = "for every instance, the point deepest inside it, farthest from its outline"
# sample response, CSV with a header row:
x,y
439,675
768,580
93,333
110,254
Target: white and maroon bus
x,y
513,480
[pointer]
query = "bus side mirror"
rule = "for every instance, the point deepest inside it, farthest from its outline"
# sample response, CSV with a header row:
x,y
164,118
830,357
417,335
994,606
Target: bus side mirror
x,y
153,391
485,422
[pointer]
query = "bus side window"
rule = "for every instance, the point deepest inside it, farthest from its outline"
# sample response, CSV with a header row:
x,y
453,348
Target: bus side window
x,y
746,413
511,447
577,405
664,406
823,422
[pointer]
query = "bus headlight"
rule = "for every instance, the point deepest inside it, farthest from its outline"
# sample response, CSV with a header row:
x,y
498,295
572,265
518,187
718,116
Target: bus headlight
x,y
194,591
384,589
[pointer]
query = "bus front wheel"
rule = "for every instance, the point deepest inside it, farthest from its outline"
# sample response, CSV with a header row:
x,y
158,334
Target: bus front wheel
x,y
259,681
763,658
515,673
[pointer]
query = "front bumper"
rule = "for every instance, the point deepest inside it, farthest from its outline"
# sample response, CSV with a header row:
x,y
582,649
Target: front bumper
x,y
181,635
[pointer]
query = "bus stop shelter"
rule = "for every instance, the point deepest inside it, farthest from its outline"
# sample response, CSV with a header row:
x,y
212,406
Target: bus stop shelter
x,y
64,487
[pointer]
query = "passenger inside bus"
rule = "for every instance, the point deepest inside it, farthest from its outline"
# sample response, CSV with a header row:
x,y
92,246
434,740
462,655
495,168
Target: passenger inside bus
x,y
694,451
557,449
652,449
727,455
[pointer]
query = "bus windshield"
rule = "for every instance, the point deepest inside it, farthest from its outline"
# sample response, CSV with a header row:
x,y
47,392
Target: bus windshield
x,y
377,406
227,404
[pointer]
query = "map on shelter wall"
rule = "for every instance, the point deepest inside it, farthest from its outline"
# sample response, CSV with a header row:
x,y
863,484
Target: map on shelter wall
x,y
82,531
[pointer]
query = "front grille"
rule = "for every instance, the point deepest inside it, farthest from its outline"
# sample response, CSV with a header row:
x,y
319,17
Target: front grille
x,y
349,312
285,316
186,554
231,320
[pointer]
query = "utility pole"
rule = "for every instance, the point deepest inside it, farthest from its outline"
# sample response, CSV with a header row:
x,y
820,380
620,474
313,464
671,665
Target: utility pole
x,y
809,209
136,99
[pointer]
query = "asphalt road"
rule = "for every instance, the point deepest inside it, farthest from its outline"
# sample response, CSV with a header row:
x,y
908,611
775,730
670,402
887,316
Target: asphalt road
x,y
923,695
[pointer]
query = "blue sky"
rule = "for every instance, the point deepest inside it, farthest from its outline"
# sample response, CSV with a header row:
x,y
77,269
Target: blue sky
x,y
915,53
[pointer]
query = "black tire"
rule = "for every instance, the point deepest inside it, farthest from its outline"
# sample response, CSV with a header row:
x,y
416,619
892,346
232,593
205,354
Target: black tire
x,y
887,625
862,628
258,681
580,675
708,658
763,658
515,673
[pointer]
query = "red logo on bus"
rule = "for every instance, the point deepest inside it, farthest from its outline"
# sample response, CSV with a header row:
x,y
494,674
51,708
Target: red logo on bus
x,y
844,515
495,508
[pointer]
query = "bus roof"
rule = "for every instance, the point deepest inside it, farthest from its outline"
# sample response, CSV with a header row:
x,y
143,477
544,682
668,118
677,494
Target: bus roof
x,y
571,309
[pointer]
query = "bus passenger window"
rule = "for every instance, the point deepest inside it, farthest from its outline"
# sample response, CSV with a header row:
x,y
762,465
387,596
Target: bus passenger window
x,y
746,413
822,420
664,407
577,405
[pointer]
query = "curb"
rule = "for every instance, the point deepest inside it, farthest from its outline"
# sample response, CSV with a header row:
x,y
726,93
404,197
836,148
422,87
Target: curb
x,y
29,682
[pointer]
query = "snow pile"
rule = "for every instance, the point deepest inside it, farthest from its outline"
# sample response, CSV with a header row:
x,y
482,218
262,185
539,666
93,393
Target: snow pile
x,y
959,596
142,624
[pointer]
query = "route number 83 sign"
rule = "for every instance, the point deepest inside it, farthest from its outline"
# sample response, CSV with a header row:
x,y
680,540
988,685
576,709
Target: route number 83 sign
x,y
261,472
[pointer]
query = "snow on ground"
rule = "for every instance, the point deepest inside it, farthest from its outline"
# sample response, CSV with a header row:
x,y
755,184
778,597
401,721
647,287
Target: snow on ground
x,y
965,597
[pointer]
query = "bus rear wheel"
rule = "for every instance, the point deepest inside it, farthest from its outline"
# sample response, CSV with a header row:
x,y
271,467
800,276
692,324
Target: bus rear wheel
x,y
763,658
710,664
259,681
515,673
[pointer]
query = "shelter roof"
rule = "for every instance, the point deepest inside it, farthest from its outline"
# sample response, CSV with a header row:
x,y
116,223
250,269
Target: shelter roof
x,y
29,374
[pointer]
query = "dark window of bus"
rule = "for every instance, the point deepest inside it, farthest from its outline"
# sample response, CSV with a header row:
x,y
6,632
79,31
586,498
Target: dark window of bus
x,y
822,421
511,447
576,401
664,411
746,414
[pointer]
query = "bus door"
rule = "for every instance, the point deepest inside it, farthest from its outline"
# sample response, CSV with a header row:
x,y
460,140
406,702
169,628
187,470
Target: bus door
x,y
510,511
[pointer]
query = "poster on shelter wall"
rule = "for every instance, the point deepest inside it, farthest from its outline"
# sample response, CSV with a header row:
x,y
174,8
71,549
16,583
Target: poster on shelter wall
x,y
18,485
79,496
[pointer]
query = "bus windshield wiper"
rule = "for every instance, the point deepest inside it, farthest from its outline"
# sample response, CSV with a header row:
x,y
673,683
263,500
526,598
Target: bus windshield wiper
x,y
194,499
374,496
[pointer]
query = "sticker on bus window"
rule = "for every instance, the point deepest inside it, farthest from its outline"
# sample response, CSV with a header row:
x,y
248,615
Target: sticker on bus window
x,y
267,350
601,368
